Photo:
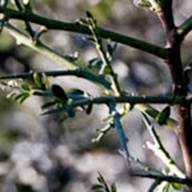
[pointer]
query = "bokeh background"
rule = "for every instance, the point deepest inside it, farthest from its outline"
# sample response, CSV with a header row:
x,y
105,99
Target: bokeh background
x,y
38,153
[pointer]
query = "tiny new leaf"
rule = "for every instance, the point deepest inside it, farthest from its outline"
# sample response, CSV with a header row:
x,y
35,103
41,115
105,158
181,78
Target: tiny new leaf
x,y
163,116
176,186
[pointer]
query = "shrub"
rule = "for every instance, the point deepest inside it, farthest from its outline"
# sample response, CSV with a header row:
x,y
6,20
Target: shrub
x,y
100,71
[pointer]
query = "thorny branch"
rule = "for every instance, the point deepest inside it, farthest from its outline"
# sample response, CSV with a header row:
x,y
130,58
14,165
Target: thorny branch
x,y
52,24
173,43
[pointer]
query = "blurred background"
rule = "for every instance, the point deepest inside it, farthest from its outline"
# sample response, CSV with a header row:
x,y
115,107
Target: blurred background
x,y
38,153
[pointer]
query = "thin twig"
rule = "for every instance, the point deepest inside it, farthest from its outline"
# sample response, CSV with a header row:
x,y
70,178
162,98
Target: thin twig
x,y
38,46
158,148
27,24
104,56
170,179
52,24
185,28
99,79
127,99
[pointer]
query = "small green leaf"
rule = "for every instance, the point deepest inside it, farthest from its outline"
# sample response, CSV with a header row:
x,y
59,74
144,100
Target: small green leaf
x,y
95,63
89,108
163,116
113,188
45,81
40,80
37,77
111,48
166,188
176,186
21,97
100,178
26,86
106,70
89,14
91,18
59,92
18,96
96,187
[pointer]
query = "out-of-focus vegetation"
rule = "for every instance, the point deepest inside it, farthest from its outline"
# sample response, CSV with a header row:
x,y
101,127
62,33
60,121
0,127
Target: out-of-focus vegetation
x,y
46,154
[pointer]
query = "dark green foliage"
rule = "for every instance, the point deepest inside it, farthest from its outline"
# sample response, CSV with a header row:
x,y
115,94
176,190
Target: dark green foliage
x,y
59,93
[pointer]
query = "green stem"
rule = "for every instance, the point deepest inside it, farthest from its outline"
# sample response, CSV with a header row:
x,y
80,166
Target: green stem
x,y
170,179
104,57
159,149
133,100
99,79
177,100
185,28
38,46
78,28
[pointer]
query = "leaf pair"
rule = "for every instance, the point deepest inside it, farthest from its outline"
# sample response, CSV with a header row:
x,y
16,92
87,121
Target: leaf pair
x,y
21,94
102,185
40,80
63,102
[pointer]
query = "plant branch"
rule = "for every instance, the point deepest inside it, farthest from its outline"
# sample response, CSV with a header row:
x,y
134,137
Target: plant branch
x,y
60,59
166,18
185,28
173,43
27,24
99,79
170,179
153,113
162,154
128,99
159,150
79,28
38,46
104,55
